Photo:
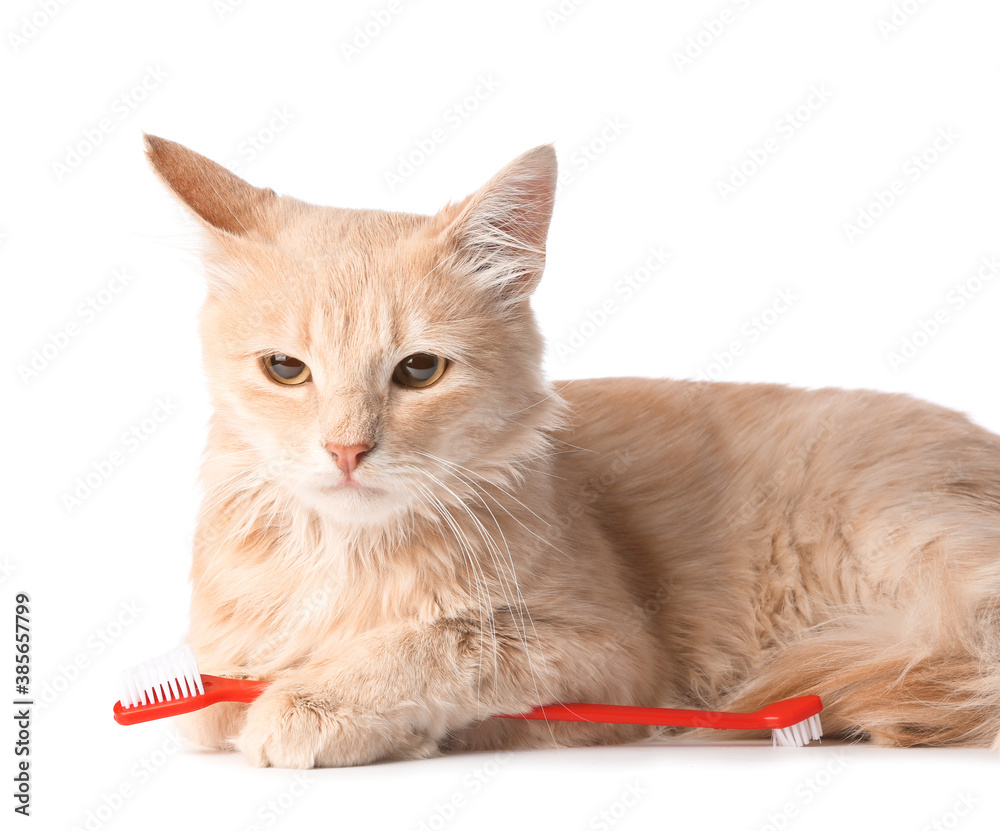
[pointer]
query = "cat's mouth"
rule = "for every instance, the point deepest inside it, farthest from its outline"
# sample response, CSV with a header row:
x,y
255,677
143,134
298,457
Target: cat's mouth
x,y
350,486
350,500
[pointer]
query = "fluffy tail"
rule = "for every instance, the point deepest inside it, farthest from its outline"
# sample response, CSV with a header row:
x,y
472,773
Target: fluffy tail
x,y
893,687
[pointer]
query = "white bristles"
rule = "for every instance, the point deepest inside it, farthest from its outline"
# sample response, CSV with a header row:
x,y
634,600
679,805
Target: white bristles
x,y
170,676
798,735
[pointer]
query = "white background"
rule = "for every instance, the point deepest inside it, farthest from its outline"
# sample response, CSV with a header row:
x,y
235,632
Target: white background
x,y
107,575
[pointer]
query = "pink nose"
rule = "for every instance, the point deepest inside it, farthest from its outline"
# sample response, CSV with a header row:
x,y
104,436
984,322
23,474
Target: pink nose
x,y
347,457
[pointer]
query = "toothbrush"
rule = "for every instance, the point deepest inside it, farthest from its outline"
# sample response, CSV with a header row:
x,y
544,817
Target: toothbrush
x,y
171,685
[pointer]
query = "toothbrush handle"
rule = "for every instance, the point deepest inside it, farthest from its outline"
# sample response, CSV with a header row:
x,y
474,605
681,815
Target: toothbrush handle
x,y
622,714
777,715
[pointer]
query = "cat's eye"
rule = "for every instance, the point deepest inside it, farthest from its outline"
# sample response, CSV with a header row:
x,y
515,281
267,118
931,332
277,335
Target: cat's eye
x,y
286,370
420,370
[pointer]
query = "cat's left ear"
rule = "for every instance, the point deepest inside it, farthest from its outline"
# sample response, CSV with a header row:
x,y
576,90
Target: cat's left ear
x,y
500,230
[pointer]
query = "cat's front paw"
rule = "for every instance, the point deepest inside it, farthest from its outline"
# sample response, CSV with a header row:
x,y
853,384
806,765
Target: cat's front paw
x,y
284,730
290,728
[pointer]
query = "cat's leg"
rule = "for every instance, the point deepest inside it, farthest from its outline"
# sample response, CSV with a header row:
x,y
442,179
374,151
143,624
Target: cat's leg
x,y
399,692
215,727
899,631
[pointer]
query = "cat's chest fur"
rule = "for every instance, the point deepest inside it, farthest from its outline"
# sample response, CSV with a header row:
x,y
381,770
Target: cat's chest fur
x,y
312,593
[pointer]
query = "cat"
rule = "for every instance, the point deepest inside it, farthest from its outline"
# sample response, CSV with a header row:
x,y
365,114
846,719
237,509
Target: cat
x,y
408,529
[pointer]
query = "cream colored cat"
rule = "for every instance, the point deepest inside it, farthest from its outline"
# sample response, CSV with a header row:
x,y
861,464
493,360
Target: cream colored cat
x,y
409,529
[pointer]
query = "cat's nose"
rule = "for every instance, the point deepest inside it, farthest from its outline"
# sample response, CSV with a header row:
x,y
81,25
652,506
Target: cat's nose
x,y
347,457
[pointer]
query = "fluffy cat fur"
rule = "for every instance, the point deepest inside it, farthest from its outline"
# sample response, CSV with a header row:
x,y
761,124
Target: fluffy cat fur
x,y
516,541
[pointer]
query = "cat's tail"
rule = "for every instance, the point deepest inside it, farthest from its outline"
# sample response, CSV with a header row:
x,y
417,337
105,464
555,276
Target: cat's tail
x,y
895,685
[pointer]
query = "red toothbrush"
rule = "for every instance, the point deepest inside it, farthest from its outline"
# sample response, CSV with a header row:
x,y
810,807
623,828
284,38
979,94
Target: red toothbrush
x,y
171,685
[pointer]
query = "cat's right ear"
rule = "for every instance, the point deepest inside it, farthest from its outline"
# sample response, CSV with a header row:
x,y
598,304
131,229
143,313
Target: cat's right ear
x,y
221,200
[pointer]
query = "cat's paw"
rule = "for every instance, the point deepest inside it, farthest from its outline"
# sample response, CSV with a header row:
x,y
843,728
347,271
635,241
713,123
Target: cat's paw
x,y
295,729
283,730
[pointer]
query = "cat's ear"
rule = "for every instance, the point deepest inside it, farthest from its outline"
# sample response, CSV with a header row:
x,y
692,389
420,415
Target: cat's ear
x,y
220,199
500,230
